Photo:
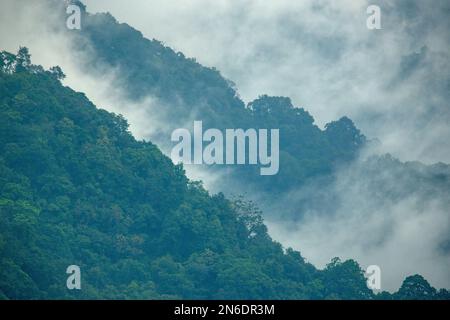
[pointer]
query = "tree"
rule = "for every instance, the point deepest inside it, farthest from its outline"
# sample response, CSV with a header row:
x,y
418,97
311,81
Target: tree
x,y
23,60
57,72
415,288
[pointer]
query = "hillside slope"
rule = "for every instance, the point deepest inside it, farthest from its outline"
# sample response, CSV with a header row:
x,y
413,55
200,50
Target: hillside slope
x,y
77,188
186,91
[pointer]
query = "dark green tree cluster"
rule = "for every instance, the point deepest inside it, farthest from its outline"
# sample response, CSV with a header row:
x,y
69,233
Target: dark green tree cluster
x,y
77,188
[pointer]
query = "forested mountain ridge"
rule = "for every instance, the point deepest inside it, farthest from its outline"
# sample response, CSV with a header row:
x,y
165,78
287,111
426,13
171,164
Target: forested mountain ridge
x,y
187,91
312,160
77,188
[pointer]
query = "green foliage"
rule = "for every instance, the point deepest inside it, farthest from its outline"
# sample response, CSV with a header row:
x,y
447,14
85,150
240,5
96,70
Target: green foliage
x,y
345,280
77,188
416,288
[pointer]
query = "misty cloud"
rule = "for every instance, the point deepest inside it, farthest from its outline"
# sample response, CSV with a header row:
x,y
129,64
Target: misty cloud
x,y
321,54
379,210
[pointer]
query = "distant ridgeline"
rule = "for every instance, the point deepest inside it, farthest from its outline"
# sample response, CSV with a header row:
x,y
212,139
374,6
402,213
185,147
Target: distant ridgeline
x,y
77,189
187,91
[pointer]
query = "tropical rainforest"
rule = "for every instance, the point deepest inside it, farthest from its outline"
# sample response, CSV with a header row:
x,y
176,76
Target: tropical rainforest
x,y
77,188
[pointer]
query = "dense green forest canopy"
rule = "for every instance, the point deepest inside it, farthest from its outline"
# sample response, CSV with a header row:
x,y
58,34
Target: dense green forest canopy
x,y
77,188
